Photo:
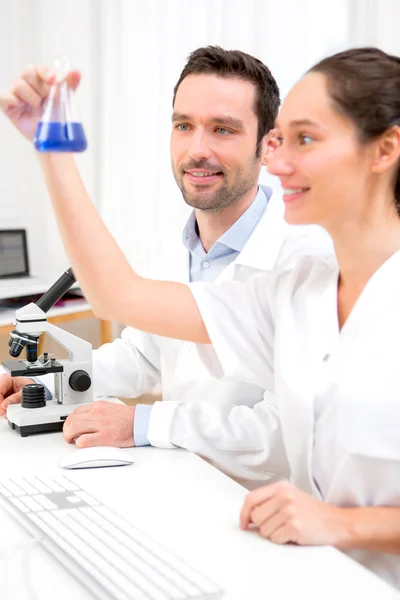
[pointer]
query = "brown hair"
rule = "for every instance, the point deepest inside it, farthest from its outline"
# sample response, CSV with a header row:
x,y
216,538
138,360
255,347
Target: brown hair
x,y
234,63
364,84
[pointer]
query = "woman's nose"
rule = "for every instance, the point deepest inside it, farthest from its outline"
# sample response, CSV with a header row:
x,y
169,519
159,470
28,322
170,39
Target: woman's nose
x,y
278,164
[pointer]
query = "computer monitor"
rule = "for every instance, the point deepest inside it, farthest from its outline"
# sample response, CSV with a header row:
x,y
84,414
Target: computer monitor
x,y
13,253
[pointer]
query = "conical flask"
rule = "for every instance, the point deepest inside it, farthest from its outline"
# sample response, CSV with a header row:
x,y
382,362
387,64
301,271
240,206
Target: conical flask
x,y
60,129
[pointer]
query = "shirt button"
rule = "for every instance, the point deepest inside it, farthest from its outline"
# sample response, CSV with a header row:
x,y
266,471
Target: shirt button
x,y
206,264
326,357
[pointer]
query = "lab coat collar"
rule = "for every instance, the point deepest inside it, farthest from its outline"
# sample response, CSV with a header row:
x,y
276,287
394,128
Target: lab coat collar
x,y
262,248
260,252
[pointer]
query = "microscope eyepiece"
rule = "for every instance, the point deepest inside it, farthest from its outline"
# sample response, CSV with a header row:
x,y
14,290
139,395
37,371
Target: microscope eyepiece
x,y
18,341
57,290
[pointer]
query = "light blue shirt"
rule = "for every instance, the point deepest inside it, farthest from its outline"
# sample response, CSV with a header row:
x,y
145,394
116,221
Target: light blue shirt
x,y
207,266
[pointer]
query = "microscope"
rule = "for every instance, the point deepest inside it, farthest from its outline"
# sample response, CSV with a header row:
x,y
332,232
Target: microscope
x,y
72,376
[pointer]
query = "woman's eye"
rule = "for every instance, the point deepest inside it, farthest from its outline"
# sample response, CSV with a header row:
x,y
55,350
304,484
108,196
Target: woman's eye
x,y
305,139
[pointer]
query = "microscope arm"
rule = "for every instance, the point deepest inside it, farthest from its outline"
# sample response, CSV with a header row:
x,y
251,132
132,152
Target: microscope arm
x,y
79,350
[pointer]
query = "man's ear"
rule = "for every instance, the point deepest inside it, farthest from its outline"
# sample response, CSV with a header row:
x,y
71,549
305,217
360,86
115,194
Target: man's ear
x,y
386,150
270,144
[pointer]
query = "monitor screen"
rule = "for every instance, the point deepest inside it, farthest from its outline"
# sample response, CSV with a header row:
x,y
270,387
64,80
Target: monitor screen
x,y
13,253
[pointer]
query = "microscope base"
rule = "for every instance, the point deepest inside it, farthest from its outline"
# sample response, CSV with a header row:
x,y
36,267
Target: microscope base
x,y
26,430
30,421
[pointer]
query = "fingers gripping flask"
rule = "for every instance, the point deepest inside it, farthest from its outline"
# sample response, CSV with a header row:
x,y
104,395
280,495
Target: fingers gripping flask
x,y
60,129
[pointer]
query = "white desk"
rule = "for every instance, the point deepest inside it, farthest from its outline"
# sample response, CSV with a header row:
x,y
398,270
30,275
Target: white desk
x,y
191,508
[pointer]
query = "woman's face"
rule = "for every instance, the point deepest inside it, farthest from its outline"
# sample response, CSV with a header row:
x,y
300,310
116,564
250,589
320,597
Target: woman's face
x,y
323,168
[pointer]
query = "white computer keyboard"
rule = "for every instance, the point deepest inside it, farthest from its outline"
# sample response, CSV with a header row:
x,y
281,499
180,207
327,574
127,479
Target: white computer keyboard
x,y
109,555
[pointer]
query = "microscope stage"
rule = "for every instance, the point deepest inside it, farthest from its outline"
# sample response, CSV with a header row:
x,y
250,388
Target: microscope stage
x,y
22,368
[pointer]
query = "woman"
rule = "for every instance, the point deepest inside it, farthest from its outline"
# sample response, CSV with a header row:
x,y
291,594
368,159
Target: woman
x,y
322,338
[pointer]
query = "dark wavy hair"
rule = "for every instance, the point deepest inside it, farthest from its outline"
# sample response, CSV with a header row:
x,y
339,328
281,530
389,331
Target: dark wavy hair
x,y
234,63
364,84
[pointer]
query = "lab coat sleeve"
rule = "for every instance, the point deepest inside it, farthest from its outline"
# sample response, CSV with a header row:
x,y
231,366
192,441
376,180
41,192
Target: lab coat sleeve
x,y
239,318
128,366
244,442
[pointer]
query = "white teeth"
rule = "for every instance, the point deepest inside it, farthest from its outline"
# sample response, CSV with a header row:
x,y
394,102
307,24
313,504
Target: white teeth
x,y
288,192
201,174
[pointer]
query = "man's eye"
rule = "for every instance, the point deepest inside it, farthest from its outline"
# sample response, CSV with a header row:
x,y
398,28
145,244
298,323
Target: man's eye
x,y
182,127
223,131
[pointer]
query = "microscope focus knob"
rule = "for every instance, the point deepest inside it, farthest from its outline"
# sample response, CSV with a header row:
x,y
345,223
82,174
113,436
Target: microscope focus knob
x,y
80,381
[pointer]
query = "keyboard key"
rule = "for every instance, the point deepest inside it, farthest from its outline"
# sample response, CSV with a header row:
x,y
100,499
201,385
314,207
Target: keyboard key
x,y
113,558
26,486
12,488
81,559
31,503
156,565
20,505
45,502
86,498
68,484
39,485
5,492
135,561
156,554
55,485
74,499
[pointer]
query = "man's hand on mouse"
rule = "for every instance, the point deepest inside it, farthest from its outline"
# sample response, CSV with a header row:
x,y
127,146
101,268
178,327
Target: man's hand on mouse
x,y
11,390
100,424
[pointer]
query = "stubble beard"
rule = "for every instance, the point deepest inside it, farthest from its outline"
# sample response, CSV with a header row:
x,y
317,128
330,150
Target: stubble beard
x,y
224,196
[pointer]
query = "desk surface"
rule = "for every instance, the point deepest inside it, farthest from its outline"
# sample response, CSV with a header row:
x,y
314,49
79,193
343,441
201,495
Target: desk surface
x,y
191,508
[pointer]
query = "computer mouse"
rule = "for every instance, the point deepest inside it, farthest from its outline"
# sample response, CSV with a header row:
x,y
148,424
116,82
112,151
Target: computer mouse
x,y
97,456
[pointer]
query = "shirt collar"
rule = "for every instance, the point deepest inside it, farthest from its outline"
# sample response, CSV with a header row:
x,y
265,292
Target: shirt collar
x,y
190,236
238,234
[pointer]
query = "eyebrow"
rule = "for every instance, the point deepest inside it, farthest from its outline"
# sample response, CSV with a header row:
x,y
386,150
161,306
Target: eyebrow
x,y
300,123
220,120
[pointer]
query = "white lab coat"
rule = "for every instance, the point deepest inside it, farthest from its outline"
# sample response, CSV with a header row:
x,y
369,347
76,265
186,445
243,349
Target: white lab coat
x,y
200,404
337,393
137,361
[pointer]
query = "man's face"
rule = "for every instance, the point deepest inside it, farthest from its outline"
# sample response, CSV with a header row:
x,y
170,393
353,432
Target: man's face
x,y
213,141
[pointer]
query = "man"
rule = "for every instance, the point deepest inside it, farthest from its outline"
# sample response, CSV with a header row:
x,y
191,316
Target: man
x,y
224,107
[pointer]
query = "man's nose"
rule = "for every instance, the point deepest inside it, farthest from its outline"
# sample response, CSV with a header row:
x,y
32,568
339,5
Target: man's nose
x,y
200,147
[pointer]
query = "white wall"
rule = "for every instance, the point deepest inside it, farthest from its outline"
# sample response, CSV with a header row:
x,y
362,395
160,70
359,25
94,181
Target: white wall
x,y
146,44
37,32
375,23
131,53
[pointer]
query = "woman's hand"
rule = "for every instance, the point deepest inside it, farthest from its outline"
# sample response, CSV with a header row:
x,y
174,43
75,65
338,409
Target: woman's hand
x,y
283,513
23,103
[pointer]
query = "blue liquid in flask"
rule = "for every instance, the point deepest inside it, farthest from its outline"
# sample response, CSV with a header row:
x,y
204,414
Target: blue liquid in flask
x,y
54,136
